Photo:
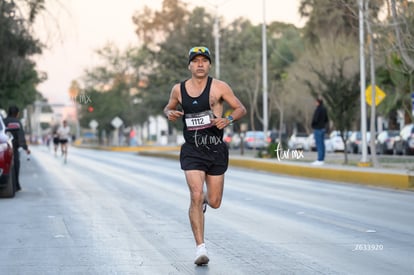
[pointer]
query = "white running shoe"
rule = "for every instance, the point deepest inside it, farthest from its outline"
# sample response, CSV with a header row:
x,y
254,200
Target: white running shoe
x,y
318,162
201,255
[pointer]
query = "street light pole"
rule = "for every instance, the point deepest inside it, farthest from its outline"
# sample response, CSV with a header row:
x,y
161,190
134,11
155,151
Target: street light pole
x,y
217,43
264,60
216,33
364,159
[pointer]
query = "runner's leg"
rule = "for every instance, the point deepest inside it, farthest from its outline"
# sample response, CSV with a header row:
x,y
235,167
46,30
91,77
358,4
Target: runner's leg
x,y
195,180
65,149
215,186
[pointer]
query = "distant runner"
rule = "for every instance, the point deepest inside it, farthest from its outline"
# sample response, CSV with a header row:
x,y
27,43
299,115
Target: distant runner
x,y
64,136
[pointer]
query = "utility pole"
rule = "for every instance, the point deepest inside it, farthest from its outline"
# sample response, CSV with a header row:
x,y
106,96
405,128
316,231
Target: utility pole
x,y
216,34
364,159
264,60
374,158
217,43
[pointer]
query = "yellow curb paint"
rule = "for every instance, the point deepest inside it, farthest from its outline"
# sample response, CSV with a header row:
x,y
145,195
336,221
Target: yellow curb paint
x,y
364,164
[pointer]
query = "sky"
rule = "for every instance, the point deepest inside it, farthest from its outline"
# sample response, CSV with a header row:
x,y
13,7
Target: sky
x,y
75,29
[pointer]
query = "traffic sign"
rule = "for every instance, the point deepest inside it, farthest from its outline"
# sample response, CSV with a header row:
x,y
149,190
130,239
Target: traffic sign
x,y
379,95
117,122
93,124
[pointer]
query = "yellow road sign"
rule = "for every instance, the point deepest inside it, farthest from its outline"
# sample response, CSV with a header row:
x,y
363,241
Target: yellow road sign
x,y
379,95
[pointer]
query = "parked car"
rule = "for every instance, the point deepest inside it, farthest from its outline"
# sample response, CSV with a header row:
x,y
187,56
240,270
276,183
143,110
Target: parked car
x,y
274,137
404,142
7,176
256,139
354,142
336,141
299,141
312,143
384,143
227,138
328,144
232,140
310,140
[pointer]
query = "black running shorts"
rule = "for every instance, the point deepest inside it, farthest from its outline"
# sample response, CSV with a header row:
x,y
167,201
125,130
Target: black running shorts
x,y
56,140
213,161
63,141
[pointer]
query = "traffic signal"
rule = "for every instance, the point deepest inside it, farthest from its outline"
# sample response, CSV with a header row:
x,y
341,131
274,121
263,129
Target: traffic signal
x,y
90,109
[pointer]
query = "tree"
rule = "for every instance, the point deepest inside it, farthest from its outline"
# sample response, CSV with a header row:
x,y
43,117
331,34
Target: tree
x,y
18,76
135,84
172,58
240,54
113,90
241,38
403,20
402,59
177,30
152,27
326,17
285,47
331,73
398,81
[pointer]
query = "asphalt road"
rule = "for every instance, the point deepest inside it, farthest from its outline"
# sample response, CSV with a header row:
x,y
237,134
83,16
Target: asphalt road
x,y
120,213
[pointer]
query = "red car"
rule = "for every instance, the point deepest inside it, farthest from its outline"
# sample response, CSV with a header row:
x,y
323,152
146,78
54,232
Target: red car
x,y
7,175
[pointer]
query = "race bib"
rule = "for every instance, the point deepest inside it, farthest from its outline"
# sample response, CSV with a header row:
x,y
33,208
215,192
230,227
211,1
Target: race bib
x,y
199,121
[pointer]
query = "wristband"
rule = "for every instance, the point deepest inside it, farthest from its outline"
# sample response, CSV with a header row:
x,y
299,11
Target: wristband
x,y
230,118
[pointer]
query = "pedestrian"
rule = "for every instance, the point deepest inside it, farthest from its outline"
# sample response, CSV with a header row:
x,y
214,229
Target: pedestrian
x,y
64,136
204,155
319,123
13,123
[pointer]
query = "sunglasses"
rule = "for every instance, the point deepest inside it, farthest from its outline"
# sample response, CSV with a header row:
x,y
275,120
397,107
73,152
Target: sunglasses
x,y
199,49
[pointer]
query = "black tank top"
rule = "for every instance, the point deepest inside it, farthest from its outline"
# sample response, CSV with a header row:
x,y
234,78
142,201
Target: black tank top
x,y
197,114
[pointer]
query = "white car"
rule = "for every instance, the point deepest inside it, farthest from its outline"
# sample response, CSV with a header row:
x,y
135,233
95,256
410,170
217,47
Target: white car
x,y
299,141
256,140
232,140
336,142
312,143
